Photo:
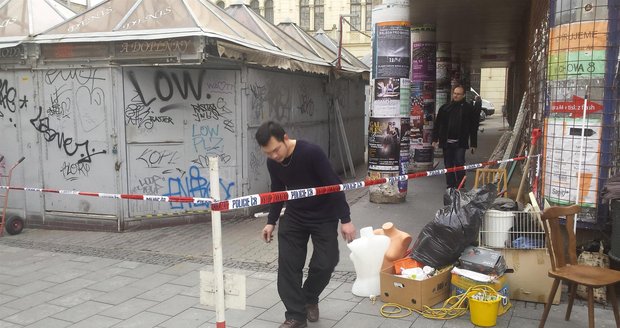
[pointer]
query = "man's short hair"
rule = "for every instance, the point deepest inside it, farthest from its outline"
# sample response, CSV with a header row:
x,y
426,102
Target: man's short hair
x,y
267,130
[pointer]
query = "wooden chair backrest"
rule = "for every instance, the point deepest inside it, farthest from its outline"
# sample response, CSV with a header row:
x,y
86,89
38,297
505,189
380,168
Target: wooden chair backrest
x,y
493,176
558,236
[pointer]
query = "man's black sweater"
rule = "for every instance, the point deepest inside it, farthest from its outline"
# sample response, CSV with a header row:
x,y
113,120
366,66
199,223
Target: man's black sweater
x,y
307,167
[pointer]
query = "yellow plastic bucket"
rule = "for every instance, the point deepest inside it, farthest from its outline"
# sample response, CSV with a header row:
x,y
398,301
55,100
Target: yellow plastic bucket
x,y
483,310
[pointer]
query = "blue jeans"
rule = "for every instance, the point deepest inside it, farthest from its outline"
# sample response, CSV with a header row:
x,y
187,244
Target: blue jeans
x,y
453,155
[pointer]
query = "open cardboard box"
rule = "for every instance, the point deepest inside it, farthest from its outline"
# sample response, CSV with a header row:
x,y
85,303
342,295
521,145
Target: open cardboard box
x,y
414,293
528,280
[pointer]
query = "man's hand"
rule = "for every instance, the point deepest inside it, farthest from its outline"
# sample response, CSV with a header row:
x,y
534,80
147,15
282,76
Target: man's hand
x,y
348,231
268,233
473,150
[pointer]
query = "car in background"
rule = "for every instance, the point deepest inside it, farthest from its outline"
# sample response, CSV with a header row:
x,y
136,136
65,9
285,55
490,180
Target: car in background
x,y
487,107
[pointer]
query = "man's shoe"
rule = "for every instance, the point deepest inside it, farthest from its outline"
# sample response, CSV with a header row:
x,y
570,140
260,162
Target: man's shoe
x,y
312,312
292,323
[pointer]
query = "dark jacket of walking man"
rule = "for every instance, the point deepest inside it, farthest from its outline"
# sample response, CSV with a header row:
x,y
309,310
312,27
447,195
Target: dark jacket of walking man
x,y
297,164
456,129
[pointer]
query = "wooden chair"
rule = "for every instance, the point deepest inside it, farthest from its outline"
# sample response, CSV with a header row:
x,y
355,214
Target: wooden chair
x,y
564,265
494,176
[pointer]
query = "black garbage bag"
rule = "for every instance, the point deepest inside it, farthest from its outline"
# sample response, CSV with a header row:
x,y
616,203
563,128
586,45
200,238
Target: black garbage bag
x,y
455,226
504,204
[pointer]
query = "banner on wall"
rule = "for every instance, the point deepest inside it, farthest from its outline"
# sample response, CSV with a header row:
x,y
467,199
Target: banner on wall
x,y
562,164
384,138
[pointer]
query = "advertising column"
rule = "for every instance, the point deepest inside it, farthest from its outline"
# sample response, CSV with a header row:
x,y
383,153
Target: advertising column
x,y
388,129
444,68
423,82
582,59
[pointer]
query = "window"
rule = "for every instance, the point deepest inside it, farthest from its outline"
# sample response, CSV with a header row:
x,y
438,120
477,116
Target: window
x,y
304,14
255,6
221,4
269,11
368,15
356,14
319,15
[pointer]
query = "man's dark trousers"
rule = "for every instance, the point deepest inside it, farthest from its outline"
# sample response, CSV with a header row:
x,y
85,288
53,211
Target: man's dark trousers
x,y
453,155
293,237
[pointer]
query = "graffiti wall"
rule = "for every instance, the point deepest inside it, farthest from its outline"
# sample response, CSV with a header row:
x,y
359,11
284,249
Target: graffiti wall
x,y
175,119
304,105
72,120
16,99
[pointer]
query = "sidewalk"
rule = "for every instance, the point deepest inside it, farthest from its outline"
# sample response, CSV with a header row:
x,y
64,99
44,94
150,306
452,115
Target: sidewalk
x,y
150,278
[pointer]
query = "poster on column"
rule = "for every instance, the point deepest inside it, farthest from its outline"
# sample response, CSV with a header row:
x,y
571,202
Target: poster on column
x,y
391,97
404,152
384,137
392,49
562,163
422,113
423,61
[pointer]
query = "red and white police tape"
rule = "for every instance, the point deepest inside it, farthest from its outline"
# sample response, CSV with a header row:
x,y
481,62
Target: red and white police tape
x,y
281,196
155,198
269,197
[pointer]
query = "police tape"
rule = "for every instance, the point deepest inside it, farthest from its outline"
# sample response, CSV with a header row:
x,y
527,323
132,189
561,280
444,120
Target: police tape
x,y
282,196
269,197
155,198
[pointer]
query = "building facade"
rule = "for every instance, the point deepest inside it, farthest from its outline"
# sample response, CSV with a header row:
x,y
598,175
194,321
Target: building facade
x,y
317,15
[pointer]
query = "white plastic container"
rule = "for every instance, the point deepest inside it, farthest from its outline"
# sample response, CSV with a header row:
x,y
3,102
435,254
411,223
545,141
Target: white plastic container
x,y
496,227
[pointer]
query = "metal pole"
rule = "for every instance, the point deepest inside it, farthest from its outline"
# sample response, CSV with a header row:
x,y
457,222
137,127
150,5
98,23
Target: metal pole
x,y
338,64
216,230
582,146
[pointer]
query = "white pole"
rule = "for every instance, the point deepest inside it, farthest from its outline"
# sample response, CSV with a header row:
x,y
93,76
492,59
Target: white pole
x,y
581,161
216,230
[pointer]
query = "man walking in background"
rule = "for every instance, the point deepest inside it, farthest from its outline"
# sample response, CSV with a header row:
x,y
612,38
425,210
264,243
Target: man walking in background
x,y
298,164
456,129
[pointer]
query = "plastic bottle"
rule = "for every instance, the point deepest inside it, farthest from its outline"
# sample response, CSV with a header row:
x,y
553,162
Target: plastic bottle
x,y
367,254
399,243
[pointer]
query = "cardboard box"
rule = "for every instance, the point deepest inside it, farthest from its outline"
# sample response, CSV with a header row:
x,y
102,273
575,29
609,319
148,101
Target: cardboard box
x,y
460,285
529,281
414,293
483,260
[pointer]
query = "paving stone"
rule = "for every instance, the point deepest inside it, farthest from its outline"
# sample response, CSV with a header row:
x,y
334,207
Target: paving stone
x,y
128,309
163,292
34,314
143,271
96,321
6,298
359,320
50,323
76,297
82,311
143,320
7,311
112,283
29,288
174,305
120,295
192,317
182,269
264,298
31,300
240,318
4,324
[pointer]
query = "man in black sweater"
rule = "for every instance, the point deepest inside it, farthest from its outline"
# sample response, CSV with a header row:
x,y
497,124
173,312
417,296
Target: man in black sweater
x,y
455,127
297,164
